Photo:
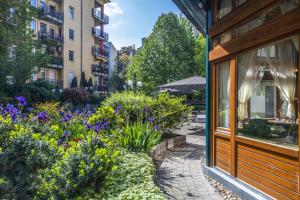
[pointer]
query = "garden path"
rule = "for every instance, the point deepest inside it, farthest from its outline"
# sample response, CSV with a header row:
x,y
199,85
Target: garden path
x,y
180,175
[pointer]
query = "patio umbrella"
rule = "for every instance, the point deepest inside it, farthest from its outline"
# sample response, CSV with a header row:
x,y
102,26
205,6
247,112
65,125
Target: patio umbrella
x,y
186,86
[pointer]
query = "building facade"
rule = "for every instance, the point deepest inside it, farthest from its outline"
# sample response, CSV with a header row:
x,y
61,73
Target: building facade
x,y
72,32
253,91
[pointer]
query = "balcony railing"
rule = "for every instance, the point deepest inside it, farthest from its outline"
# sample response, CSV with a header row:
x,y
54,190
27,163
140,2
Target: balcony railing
x,y
97,13
51,15
56,62
100,87
99,69
99,34
50,36
55,82
100,53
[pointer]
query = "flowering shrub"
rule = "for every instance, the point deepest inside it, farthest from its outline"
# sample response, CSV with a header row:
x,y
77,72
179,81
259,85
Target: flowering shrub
x,y
50,152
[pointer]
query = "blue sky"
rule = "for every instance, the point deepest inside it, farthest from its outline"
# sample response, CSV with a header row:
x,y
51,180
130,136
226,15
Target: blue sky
x,y
130,20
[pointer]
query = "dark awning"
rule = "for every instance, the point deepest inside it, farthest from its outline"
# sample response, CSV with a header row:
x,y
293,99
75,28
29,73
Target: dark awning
x,y
186,86
195,11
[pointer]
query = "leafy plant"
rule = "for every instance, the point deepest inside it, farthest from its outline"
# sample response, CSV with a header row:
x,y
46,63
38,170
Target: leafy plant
x,y
137,137
76,96
133,179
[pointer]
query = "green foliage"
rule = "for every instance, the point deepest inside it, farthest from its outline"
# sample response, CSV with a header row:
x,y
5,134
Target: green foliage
x,y
83,82
16,45
133,179
118,77
39,91
74,83
107,114
168,54
137,137
167,111
200,55
133,105
82,167
90,83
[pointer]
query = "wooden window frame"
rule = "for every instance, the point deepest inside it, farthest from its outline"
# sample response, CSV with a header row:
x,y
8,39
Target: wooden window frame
x,y
231,133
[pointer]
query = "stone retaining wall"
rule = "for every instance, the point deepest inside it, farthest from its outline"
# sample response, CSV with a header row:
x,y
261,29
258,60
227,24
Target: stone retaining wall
x,y
168,144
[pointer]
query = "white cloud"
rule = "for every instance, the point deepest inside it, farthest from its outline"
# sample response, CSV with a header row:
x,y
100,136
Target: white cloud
x,y
113,9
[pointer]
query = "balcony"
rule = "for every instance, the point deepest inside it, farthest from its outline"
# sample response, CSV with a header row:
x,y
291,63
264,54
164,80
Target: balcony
x,y
97,33
50,36
55,82
98,69
103,88
49,13
97,14
56,62
100,53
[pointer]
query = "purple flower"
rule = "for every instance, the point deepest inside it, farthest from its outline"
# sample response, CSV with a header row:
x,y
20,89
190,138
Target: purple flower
x,y
67,117
156,127
87,125
43,117
88,107
77,112
59,142
21,100
88,113
96,128
30,109
66,133
150,119
119,108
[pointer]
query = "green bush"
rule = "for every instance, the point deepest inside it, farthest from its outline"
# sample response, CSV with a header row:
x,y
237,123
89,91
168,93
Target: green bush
x,y
39,91
167,111
133,105
133,179
137,137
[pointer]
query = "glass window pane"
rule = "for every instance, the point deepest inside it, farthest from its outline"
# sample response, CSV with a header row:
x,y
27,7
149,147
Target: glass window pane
x,y
223,94
267,101
33,25
224,7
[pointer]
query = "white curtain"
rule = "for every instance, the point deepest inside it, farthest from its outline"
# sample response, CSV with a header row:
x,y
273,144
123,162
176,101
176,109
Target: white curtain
x,y
284,72
249,76
223,94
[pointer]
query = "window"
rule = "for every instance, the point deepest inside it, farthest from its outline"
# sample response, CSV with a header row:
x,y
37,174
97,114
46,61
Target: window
x,y
71,34
223,90
284,7
223,8
33,3
267,98
71,55
43,74
33,25
43,27
71,12
70,77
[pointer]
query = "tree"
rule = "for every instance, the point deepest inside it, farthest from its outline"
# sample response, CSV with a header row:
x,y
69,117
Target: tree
x,y
83,82
118,77
74,83
90,83
20,53
200,55
168,54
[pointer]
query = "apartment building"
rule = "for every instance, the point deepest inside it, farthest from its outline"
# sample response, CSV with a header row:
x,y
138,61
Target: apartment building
x,y
72,32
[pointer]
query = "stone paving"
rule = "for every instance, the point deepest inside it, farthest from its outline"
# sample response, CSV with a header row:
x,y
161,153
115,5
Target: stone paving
x,y
180,174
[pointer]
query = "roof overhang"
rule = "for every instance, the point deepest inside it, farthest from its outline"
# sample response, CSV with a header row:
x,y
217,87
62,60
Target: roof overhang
x,y
102,2
195,11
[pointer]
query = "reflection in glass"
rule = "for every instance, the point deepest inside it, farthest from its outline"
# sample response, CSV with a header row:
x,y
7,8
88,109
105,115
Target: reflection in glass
x,y
267,102
223,94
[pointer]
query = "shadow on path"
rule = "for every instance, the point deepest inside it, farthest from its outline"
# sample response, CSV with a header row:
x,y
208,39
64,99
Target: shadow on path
x,y
180,174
